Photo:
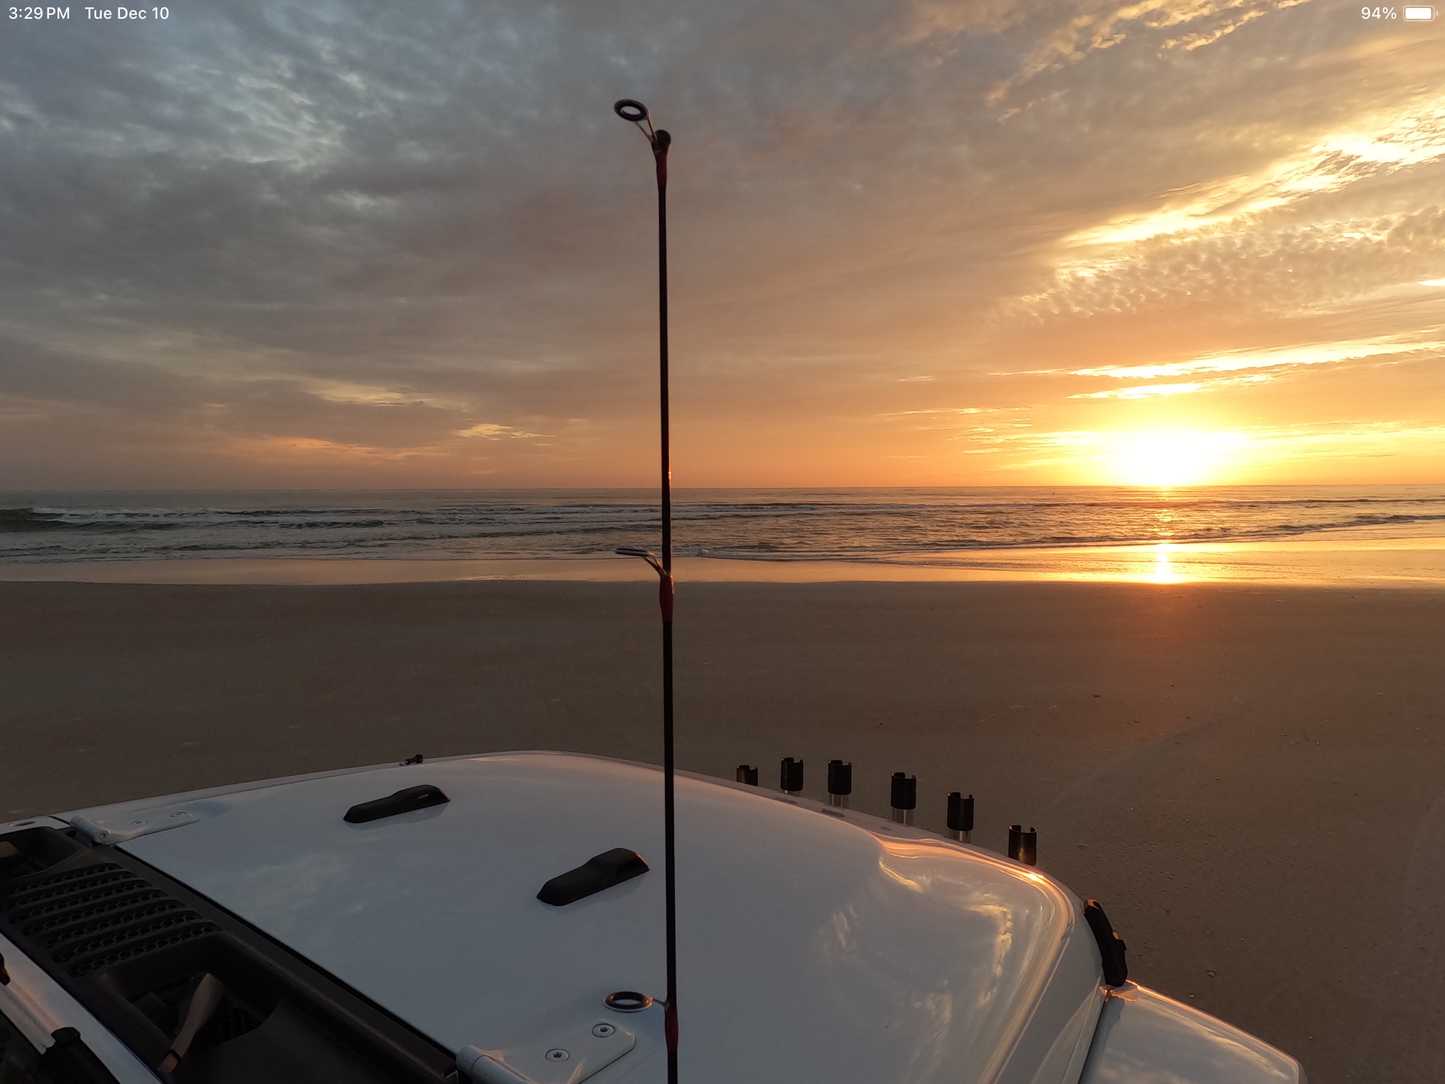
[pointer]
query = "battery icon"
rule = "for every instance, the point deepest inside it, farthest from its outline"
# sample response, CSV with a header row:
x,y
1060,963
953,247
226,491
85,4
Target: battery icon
x,y
1423,15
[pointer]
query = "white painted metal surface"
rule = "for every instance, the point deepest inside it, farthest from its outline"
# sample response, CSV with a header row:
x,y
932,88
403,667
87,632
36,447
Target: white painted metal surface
x,y
812,946
118,830
1146,1038
570,1059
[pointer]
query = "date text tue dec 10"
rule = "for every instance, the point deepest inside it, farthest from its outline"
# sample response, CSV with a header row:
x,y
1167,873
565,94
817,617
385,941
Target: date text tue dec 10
x,y
127,13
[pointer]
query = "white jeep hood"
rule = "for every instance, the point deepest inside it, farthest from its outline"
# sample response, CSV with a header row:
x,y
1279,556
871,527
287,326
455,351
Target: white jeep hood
x,y
810,947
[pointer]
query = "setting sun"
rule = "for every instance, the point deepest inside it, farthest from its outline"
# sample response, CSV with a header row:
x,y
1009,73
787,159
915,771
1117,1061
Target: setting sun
x,y
1167,458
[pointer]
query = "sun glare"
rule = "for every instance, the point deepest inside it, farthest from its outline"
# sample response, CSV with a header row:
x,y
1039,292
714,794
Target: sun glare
x,y
1163,567
1168,458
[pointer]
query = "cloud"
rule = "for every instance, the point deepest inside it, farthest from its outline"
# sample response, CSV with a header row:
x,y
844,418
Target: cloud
x,y
1142,391
492,431
1375,145
1301,230
284,231
1075,31
1275,359
937,411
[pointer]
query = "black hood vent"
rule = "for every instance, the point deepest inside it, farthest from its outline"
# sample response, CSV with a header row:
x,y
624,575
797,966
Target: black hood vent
x,y
97,916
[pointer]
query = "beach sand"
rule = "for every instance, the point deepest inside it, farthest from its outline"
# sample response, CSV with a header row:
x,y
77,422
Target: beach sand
x,y
1251,779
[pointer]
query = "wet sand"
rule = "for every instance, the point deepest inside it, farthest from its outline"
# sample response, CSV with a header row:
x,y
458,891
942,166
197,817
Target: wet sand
x,y
1251,779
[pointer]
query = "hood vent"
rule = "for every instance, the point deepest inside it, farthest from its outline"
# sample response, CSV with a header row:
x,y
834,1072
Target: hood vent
x,y
97,915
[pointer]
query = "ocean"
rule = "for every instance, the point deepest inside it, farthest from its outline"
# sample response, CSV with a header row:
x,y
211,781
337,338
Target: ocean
x,y
918,527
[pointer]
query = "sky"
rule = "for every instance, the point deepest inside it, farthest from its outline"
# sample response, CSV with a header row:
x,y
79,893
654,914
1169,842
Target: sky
x,y
355,244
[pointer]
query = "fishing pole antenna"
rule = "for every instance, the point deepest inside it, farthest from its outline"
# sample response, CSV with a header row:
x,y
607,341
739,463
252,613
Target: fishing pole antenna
x,y
634,111
660,141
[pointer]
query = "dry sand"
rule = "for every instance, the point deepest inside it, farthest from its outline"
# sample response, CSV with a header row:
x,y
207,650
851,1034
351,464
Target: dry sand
x,y
1250,779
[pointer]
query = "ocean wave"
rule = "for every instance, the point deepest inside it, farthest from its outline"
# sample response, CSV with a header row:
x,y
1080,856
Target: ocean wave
x,y
25,520
855,525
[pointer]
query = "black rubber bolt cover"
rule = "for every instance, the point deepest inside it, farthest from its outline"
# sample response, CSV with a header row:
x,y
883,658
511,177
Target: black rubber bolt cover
x,y
791,775
960,812
1029,847
904,791
1111,945
403,801
598,872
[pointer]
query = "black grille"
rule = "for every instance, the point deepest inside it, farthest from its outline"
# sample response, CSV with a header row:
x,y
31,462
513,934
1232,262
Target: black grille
x,y
129,944
231,1022
98,915
87,921
36,896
